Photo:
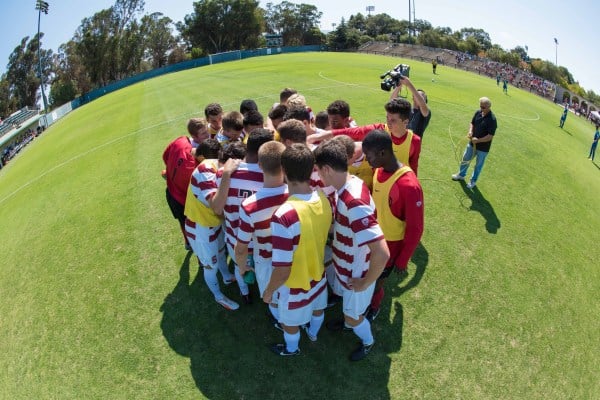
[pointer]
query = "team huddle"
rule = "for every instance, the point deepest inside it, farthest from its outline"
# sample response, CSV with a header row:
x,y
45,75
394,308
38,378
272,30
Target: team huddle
x,y
314,211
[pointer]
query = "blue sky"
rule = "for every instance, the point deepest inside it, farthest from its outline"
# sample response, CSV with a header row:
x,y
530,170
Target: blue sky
x,y
510,23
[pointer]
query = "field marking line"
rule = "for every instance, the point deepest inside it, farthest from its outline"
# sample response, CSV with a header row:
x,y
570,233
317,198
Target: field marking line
x,y
85,153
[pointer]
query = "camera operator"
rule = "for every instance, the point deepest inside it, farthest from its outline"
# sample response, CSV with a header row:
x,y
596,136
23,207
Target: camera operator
x,y
420,114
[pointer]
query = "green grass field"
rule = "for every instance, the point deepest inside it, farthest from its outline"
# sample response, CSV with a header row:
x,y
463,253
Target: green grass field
x,y
100,300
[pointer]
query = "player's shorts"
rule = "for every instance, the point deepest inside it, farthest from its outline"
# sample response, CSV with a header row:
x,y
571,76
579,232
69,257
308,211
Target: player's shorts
x,y
177,209
208,243
354,303
296,308
263,271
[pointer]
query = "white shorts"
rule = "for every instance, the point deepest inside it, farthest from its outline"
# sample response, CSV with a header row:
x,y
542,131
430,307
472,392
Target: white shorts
x,y
207,243
263,271
297,309
354,304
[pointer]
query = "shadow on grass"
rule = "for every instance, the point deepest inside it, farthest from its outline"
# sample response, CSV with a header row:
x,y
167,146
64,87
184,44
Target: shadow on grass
x,y
484,207
230,359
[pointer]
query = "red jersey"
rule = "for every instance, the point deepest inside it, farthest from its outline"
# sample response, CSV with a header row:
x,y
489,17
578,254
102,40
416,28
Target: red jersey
x,y
358,134
180,165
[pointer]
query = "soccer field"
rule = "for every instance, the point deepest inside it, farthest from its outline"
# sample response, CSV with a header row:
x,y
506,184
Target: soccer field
x,y
100,300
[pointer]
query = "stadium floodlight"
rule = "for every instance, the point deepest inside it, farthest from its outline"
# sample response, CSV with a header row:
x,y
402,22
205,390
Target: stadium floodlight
x,y
370,9
556,51
42,6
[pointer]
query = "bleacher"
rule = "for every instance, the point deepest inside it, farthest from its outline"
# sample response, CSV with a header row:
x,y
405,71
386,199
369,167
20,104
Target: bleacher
x,y
15,120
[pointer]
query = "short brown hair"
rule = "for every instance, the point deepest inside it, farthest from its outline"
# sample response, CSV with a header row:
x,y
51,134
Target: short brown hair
x,y
269,157
213,109
348,144
195,125
292,130
297,162
233,121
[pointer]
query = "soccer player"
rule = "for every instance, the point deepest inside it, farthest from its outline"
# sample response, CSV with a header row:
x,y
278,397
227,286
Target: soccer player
x,y
406,145
399,202
357,162
255,218
214,115
299,231
338,113
359,249
233,128
245,181
203,226
179,165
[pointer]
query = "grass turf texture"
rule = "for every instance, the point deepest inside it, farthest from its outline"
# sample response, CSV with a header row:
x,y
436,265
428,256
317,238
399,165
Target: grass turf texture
x,y
99,299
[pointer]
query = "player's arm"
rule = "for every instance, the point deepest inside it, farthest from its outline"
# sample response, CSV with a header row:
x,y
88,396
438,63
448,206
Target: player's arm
x,y
278,278
241,256
414,217
415,152
378,259
217,203
244,235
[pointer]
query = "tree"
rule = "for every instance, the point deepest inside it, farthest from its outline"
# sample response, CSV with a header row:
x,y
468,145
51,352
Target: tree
x,y
357,22
23,73
222,25
292,21
7,101
158,38
480,36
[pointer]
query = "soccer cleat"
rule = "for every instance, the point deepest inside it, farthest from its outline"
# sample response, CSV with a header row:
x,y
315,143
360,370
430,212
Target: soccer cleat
x,y
336,325
306,327
229,281
372,314
228,303
458,177
247,298
361,352
470,185
281,350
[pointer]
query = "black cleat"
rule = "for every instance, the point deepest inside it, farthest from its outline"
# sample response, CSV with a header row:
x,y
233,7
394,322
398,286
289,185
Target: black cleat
x,y
361,352
281,350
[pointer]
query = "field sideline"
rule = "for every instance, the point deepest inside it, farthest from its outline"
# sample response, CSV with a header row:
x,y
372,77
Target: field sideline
x,y
101,301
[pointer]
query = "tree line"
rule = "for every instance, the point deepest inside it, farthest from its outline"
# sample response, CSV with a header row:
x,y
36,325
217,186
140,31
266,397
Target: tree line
x,y
122,41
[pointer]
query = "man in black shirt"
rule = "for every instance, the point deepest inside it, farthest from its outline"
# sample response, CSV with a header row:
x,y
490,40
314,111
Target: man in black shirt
x,y
481,132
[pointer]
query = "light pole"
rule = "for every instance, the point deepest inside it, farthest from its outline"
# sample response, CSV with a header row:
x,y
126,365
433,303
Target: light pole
x,y
42,6
370,9
556,51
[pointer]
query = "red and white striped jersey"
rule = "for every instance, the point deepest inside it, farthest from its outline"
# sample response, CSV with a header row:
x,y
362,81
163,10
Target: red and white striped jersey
x,y
355,226
204,182
245,181
255,220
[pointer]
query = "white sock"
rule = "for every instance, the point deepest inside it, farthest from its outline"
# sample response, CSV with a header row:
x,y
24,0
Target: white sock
x,y
274,311
291,341
210,277
222,266
363,331
315,324
240,281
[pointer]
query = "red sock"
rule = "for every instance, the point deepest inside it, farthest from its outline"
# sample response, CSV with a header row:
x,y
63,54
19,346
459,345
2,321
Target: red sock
x,y
377,298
